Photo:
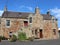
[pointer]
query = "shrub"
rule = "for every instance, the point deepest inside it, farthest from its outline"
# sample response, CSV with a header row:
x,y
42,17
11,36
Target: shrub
x,y
4,38
31,38
14,38
22,36
0,38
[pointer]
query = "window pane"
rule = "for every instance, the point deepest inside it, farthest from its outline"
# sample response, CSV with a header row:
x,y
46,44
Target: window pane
x,y
30,20
7,22
36,32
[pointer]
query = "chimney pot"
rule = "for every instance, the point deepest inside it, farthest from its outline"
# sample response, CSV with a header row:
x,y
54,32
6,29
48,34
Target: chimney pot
x,y
48,12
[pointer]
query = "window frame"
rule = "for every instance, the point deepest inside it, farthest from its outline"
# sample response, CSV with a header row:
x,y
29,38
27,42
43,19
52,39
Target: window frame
x,y
30,19
35,31
54,31
8,21
24,23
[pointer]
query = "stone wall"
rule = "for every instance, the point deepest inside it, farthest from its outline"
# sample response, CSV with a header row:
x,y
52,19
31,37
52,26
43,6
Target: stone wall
x,y
38,23
48,29
15,24
55,26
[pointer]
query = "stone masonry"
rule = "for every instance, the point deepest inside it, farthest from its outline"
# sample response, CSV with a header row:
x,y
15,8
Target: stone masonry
x,y
43,26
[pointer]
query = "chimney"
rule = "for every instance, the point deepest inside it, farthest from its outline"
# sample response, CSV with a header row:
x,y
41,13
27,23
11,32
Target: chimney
x,y
5,8
48,12
37,10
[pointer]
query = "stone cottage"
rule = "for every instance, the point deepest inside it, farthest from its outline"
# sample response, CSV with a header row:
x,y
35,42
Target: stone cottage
x,y
37,25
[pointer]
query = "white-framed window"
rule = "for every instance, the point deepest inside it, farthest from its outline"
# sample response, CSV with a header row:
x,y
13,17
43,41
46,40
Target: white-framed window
x,y
30,20
7,23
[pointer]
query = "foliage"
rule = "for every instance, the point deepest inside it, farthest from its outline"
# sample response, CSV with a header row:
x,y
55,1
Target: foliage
x,y
21,36
4,38
14,38
0,38
31,38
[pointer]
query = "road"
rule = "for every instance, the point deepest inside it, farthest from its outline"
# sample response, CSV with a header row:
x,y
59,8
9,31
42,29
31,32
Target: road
x,y
41,42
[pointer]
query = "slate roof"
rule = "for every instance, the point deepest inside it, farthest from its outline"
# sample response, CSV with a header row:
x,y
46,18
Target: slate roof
x,y
9,14
47,17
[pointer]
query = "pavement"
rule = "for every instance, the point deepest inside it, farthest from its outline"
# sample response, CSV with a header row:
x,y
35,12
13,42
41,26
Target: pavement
x,y
39,42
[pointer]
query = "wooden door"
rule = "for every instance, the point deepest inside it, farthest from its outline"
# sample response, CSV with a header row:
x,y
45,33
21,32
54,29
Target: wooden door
x,y
41,34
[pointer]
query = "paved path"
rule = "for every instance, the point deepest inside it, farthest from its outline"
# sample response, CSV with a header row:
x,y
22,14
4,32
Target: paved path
x,y
41,42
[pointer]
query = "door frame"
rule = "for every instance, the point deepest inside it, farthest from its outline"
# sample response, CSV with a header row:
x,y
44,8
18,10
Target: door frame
x,y
40,33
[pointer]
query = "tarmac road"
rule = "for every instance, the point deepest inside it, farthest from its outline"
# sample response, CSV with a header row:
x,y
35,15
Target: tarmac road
x,y
40,42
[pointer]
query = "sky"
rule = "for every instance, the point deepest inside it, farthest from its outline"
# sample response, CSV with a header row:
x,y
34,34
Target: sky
x,y
30,5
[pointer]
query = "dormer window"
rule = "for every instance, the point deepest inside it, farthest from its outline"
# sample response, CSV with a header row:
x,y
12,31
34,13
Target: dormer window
x,y
30,19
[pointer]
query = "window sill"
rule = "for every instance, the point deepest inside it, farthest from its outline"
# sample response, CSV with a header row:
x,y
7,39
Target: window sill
x,y
7,26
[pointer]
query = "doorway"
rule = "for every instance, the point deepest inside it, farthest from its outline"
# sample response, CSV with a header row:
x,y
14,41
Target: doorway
x,y
36,32
41,33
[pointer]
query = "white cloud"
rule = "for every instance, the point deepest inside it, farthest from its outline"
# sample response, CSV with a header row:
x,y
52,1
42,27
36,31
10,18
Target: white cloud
x,y
1,12
56,12
30,8
27,7
58,28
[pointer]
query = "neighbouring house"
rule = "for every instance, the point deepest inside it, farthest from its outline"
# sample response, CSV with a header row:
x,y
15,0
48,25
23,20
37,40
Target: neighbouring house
x,y
59,31
37,25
